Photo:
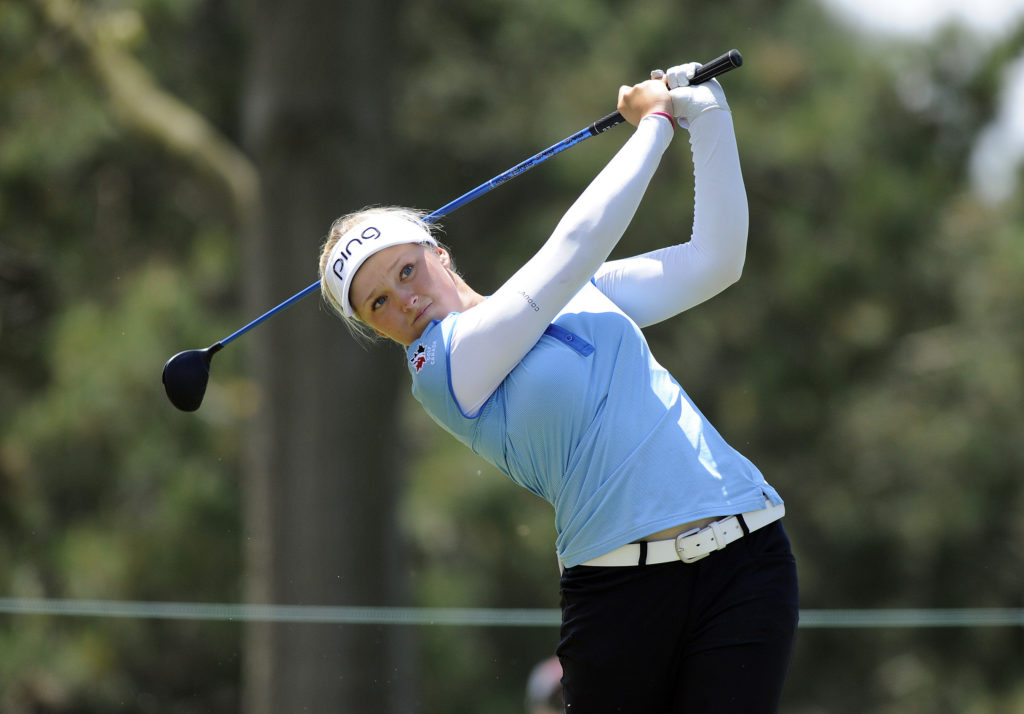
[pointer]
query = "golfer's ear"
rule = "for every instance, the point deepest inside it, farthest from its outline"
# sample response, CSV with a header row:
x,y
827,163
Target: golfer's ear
x,y
444,257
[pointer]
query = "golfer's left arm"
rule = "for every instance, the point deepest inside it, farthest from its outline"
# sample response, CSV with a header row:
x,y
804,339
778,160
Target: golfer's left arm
x,y
657,285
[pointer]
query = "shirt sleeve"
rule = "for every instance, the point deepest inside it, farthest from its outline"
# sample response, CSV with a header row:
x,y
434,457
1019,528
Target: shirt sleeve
x,y
657,285
491,338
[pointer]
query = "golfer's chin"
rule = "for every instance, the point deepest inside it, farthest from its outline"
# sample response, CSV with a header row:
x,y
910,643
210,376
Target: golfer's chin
x,y
418,330
407,337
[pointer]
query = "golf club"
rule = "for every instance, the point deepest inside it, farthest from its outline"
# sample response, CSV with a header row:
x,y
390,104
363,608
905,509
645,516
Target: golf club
x,y
187,373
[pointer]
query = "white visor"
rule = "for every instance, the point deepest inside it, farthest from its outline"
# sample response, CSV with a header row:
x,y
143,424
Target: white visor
x,y
360,242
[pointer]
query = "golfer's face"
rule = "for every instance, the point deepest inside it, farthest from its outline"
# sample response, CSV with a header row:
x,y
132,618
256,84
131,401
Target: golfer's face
x,y
399,290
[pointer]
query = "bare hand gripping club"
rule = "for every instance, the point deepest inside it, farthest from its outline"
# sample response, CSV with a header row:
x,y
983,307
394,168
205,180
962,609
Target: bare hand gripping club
x,y
187,373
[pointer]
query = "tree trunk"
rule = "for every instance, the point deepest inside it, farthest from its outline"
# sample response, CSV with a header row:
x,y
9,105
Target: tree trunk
x,y
322,476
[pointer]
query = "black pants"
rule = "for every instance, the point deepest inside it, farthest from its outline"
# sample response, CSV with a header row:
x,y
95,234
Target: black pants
x,y
711,637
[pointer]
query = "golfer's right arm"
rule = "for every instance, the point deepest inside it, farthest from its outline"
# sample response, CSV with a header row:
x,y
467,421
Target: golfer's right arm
x,y
491,338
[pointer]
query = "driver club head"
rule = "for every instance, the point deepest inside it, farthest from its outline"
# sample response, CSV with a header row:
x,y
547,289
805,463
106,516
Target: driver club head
x,y
185,377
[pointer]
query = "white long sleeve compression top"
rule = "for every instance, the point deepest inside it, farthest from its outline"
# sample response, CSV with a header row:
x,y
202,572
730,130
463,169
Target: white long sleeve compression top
x,y
489,339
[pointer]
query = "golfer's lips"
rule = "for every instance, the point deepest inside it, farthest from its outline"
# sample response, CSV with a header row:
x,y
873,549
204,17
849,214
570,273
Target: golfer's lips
x,y
421,313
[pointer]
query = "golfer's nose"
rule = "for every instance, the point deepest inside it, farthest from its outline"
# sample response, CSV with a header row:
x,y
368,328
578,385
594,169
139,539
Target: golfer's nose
x,y
410,300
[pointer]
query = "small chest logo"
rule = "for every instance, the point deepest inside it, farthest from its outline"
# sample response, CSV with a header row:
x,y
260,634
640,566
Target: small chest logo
x,y
423,356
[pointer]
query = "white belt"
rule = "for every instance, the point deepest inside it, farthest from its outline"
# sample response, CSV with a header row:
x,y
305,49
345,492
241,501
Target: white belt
x,y
692,545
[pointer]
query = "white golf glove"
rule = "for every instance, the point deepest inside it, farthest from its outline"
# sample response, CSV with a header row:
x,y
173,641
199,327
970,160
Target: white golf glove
x,y
689,102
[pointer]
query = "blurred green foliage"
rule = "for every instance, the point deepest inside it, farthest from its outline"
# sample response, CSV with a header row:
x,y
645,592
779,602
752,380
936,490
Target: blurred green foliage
x,y
110,257
869,361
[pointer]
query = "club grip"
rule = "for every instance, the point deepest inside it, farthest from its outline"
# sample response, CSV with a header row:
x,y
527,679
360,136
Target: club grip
x,y
719,65
605,123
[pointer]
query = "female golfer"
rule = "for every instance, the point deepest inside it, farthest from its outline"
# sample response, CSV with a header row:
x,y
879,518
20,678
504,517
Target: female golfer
x,y
678,588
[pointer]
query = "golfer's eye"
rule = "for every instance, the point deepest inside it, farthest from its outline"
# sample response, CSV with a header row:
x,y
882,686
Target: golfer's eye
x,y
407,271
378,303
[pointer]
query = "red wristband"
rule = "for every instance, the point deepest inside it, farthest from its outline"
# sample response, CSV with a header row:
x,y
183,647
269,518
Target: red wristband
x,y
668,116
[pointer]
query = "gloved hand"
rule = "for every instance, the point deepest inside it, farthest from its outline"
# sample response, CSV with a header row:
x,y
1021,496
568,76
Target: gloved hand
x,y
689,101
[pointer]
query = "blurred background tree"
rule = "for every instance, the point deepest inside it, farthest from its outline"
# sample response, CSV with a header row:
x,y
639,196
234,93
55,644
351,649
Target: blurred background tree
x,y
869,360
322,468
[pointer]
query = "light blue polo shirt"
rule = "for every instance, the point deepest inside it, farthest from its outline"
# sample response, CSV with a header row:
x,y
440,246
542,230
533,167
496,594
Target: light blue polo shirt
x,y
589,421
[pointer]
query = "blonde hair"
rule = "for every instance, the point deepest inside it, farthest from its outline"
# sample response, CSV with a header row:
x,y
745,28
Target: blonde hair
x,y
339,227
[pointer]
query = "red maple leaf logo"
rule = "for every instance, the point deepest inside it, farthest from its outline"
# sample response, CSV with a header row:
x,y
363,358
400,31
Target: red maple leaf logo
x,y
419,358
